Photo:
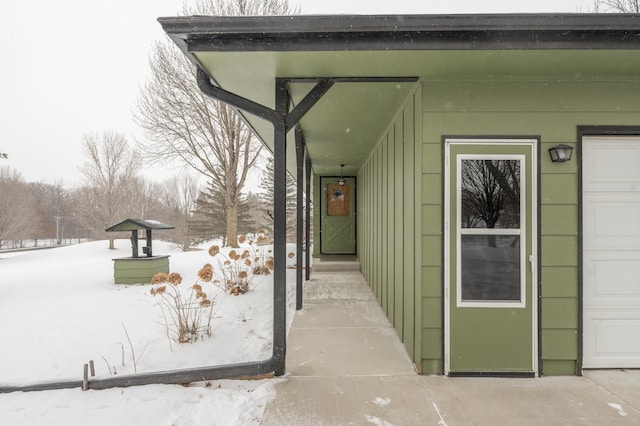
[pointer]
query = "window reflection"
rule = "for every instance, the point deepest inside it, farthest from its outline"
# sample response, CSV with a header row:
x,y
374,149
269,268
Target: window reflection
x,y
490,195
490,268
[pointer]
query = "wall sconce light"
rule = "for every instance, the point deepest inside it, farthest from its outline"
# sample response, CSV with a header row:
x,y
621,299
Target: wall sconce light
x,y
560,153
341,180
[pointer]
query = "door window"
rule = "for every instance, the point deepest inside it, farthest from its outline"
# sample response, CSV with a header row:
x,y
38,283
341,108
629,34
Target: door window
x,y
338,199
490,231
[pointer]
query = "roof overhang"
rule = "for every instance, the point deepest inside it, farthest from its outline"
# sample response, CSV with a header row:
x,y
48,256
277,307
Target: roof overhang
x,y
245,55
138,224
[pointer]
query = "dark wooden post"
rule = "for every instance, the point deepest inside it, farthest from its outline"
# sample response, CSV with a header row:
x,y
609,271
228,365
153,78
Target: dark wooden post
x,y
149,251
134,242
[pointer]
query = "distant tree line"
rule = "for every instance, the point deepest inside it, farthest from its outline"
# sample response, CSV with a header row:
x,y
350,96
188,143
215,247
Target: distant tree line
x,y
112,191
34,211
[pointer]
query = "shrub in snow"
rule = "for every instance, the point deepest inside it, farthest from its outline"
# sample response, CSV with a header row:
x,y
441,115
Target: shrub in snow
x,y
234,272
187,317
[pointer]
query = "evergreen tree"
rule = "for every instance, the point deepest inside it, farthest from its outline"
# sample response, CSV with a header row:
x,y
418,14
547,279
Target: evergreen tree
x,y
267,186
209,218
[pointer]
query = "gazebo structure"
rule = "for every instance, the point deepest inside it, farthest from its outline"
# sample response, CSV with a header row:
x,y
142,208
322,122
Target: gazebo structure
x,y
136,269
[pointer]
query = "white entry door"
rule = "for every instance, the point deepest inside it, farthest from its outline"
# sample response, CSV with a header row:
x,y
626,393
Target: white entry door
x,y
611,256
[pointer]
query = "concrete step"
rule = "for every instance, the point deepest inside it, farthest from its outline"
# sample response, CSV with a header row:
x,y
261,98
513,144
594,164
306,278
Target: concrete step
x,y
335,265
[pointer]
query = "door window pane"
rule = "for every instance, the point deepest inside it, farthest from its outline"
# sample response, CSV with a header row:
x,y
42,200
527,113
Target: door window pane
x,y
490,267
338,200
490,194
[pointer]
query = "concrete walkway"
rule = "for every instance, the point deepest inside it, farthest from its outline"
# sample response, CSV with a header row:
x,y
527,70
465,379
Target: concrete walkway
x,y
346,366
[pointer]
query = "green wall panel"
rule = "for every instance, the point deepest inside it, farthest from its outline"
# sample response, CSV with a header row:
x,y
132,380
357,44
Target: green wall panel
x,y
431,189
432,157
417,243
559,251
316,215
432,312
399,225
390,191
384,237
432,281
559,367
559,281
409,283
553,127
560,344
431,250
559,189
390,219
432,219
559,219
138,270
431,366
530,97
559,313
432,343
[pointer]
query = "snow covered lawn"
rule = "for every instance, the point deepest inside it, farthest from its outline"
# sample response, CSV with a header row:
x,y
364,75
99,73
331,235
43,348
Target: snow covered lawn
x,y
59,309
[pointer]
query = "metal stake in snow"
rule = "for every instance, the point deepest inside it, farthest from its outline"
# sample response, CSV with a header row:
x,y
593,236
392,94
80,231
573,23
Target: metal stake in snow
x,y
85,378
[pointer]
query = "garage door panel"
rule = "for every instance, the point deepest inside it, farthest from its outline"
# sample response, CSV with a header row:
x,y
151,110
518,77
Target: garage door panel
x,y
612,339
612,220
611,278
611,252
611,165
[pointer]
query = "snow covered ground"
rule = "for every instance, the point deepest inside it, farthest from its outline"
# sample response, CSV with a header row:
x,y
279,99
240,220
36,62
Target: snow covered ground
x,y
59,309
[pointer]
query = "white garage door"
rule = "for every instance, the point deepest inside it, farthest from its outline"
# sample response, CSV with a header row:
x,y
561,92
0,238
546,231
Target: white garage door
x,y
611,232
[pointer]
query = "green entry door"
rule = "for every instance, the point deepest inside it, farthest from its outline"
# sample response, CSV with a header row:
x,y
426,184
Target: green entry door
x,y
490,257
338,220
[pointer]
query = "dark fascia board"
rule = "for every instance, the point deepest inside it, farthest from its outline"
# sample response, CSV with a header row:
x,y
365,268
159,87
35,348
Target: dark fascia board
x,y
404,32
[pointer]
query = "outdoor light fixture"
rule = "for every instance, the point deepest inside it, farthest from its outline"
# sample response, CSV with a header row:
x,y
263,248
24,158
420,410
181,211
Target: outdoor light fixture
x,y
341,180
560,153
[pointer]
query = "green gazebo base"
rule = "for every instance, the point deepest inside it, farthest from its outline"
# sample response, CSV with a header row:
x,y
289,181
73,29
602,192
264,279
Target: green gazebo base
x,y
139,270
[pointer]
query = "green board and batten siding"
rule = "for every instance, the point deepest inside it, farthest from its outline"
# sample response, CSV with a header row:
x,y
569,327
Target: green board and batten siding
x,y
389,222
400,200
400,243
552,110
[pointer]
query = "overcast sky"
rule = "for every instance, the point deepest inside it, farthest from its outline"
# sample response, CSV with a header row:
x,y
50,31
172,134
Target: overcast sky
x,y
71,67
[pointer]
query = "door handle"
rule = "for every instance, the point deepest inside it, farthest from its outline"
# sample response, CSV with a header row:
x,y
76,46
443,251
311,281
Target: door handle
x,y
532,261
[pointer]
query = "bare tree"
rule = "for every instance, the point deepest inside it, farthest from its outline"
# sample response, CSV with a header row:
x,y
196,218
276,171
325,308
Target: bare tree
x,y
16,208
50,210
109,169
490,194
180,122
179,200
148,197
621,6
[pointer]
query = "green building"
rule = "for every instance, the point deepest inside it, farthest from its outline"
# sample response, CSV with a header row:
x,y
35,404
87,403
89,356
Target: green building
x,y
425,141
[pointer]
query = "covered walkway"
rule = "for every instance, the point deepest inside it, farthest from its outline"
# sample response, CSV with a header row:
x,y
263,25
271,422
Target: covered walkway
x,y
346,365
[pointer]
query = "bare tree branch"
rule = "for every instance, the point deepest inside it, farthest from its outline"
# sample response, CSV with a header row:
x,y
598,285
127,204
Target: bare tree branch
x,y
180,122
620,6
111,189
